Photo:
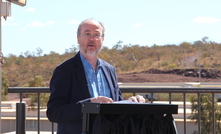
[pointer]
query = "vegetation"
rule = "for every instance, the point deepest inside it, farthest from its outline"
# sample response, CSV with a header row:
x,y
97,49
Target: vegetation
x,y
126,58
5,85
37,81
206,114
34,69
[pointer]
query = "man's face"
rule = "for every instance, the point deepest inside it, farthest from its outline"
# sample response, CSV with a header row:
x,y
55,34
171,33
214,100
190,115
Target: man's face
x,y
90,41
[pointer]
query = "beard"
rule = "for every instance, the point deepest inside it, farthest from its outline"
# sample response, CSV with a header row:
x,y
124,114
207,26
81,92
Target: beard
x,y
88,51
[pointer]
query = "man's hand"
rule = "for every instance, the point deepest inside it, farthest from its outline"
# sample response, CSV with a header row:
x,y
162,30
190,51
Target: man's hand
x,y
102,99
137,98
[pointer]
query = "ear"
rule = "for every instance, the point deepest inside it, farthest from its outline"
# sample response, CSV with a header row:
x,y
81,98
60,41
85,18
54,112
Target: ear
x,y
102,39
78,38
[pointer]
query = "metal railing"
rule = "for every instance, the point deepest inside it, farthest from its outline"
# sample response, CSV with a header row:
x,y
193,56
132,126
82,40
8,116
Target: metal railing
x,y
20,127
134,90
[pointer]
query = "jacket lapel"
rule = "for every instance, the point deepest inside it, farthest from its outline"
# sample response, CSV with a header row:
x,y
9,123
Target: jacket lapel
x,y
108,77
81,76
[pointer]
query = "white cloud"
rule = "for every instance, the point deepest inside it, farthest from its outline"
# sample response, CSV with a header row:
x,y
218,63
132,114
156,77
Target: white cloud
x,y
35,24
49,23
30,9
40,24
10,23
73,22
22,29
138,24
201,19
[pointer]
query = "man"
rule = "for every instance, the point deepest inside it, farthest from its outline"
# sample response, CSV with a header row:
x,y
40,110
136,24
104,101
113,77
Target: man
x,y
82,78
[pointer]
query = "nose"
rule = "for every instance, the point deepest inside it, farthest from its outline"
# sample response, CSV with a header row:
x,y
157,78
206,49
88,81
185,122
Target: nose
x,y
91,37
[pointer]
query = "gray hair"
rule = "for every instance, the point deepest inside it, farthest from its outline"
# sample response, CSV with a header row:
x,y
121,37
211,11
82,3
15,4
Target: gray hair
x,y
79,27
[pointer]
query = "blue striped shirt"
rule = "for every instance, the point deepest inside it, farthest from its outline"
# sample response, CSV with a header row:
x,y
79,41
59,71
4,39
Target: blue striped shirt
x,y
97,82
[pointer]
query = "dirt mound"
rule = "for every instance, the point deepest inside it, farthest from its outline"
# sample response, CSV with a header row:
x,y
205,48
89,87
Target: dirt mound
x,y
147,77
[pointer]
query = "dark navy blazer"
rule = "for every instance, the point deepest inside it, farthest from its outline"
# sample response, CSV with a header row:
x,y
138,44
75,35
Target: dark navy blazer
x,y
69,89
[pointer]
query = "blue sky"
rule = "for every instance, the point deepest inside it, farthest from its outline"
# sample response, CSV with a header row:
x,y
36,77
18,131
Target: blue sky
x,y
51,24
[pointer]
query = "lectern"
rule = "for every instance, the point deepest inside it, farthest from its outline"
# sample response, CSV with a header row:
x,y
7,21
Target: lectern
x,y
128,118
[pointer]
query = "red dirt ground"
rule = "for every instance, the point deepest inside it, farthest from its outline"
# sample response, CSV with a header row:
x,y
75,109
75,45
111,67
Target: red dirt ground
x,y
145,77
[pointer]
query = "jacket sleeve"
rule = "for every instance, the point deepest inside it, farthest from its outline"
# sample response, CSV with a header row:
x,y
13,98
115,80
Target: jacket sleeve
x,y
63,105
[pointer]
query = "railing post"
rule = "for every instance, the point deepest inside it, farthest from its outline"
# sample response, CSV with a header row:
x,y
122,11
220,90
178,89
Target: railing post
x,y
184,112
20,118
213,113
52,125
170,98
39,113
151,97
199,113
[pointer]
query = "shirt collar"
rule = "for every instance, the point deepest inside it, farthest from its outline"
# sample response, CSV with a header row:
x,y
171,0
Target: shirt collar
x,y
86,64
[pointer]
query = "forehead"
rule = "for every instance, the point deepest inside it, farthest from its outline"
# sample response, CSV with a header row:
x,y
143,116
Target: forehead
x,y
91,26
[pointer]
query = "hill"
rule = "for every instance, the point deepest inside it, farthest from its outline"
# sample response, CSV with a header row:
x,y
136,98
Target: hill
x,y
127,59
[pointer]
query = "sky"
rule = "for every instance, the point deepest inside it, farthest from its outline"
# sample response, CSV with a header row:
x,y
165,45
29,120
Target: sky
x,y
51,25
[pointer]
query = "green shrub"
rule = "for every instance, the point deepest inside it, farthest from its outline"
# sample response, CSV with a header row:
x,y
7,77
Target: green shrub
x,y
171,66
164,63
205,54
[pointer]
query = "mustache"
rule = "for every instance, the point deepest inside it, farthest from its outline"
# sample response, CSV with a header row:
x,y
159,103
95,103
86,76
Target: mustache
x,y
91,42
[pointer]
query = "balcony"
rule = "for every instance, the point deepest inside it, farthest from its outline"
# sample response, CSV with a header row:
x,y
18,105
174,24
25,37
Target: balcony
x,y
37,122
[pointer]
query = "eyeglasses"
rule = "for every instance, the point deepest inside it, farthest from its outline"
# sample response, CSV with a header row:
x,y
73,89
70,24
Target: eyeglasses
x,y
89,35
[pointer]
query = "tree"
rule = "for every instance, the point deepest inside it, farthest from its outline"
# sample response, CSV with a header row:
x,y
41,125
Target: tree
x,y
134,58
5,85
186,47
118,46
53,53
37,81
72,50
205,40
39,51
206,113
27,54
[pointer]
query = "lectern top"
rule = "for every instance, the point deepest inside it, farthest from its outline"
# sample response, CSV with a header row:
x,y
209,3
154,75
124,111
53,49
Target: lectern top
x,y
129,108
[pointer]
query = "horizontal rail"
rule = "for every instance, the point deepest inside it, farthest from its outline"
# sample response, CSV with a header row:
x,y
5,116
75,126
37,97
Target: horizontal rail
x,y
170,89
129,89
28,90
